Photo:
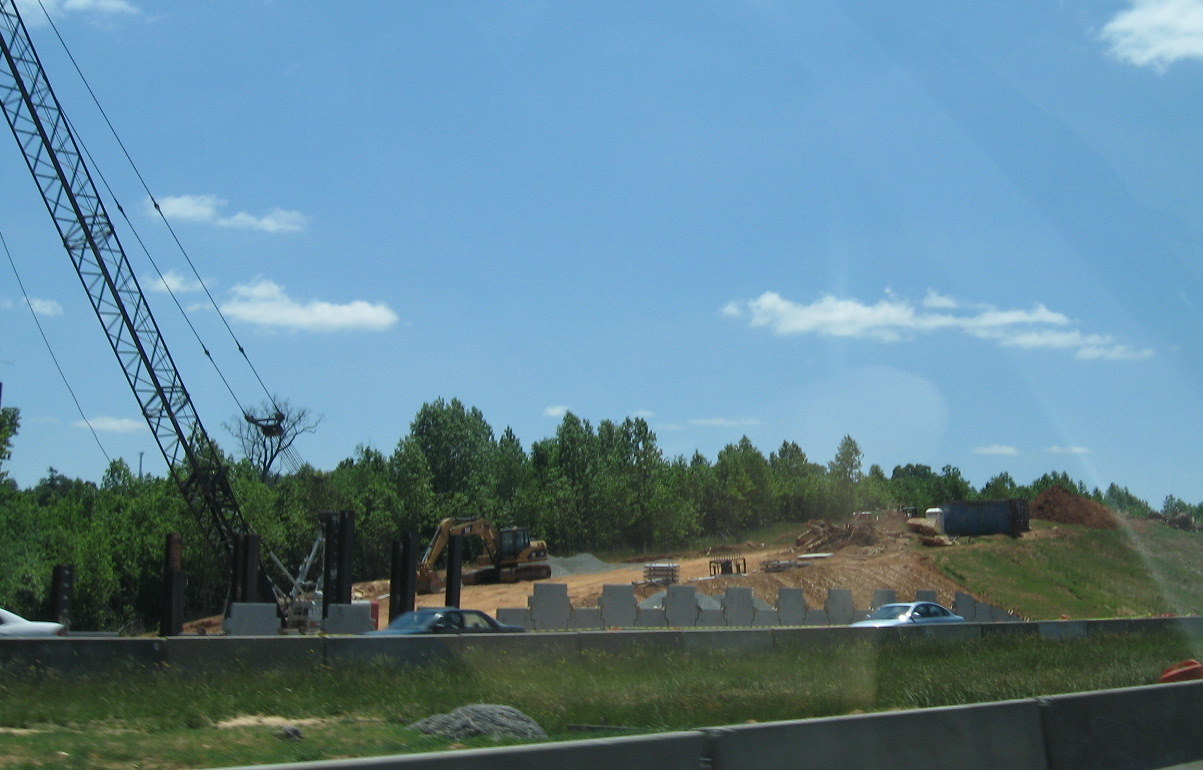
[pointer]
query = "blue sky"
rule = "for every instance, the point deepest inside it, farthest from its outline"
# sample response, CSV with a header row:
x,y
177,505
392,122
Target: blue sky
x,y
961,233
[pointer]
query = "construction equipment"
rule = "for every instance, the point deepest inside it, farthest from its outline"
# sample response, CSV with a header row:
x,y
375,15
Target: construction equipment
x,y
510,555
56,161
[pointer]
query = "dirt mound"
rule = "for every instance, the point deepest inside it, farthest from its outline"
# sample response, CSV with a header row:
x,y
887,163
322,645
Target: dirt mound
x,y
1064,507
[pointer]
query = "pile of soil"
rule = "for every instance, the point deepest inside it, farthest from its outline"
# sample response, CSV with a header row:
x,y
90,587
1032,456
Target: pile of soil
x,y
1064,507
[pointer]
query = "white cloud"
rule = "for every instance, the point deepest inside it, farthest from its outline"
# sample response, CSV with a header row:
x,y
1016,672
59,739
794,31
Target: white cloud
x,y
644,414
724,422
555,411
265,303
176,283
275,221
997,449
732,310
47,307
1157,33
936,301
112,424
896,319
1068,450
207,209
32,13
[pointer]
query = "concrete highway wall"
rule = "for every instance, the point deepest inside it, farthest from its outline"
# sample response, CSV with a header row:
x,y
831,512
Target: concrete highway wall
x,y
200,652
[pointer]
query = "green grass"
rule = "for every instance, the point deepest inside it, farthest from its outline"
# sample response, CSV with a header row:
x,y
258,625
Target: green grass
x,y
1142,570
167,718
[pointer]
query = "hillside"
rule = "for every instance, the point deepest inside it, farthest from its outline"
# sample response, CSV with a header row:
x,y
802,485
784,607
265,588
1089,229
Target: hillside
x,y
1109,566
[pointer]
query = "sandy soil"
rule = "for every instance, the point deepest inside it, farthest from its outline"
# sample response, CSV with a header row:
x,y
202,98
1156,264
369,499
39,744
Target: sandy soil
x,y
894,561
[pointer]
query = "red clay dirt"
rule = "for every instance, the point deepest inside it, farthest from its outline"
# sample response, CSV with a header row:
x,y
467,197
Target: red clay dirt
x,y
1064,507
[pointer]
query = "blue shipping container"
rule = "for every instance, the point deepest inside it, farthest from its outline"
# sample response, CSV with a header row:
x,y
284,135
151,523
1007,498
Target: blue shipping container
x,y
985,517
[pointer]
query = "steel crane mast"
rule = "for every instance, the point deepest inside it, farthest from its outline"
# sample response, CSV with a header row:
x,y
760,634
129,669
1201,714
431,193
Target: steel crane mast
x,y
54,158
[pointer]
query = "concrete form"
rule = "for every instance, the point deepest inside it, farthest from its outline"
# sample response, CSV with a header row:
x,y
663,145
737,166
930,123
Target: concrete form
x,y
681,606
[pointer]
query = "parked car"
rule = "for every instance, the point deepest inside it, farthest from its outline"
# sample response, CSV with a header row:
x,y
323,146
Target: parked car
x,y
908,613
445,620
13,625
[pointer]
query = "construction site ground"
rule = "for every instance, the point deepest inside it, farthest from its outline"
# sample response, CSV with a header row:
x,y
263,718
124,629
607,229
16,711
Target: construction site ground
x,y
873,551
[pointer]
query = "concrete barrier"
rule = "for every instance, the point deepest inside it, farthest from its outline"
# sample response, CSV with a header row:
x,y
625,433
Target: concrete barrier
x,y
81,655
252,619
666,751
1136,727
215,652
996,735
549,609
414,650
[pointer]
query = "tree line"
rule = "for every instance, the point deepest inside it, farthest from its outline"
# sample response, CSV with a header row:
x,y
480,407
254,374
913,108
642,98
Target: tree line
x,y
603,487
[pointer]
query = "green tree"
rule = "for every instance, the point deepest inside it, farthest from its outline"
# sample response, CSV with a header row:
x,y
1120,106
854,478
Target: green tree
x,y
845,474
10,422
458,445
798,484
744,493
1000,487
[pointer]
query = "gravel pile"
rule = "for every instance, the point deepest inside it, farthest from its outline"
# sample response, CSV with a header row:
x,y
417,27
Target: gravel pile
x,y
481,719
580,564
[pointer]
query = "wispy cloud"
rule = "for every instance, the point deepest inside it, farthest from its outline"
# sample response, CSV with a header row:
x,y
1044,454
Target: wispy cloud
x,y
46,307
265,303
997,449
1157,33
207,209
558,410
1068,450
32,12
176,283
725,422
112,424
896,319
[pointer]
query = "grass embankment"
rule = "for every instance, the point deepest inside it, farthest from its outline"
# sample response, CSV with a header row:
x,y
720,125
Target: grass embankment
x,y
169,719
1141,569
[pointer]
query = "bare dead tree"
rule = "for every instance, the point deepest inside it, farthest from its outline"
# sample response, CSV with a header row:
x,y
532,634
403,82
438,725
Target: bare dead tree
x,y
266,436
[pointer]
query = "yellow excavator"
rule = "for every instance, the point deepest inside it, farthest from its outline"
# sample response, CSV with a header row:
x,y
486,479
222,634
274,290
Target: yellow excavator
x,y
510,555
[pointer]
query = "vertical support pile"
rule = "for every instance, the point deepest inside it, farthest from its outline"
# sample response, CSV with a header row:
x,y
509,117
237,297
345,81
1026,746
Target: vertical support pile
x,y
171,612
403,583
455,569
340,544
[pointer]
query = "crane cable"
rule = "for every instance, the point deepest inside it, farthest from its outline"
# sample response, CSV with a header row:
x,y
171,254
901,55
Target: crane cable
x,y
50,349
179,244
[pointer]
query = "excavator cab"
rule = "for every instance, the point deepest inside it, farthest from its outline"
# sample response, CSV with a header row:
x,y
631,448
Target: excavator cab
x,y
513,541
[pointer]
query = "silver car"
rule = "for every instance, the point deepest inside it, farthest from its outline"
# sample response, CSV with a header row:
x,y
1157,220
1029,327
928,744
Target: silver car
x,y
13,625
908,613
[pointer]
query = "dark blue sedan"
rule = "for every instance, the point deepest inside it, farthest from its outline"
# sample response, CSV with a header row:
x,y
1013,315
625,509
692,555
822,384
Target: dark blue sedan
x,y
445,620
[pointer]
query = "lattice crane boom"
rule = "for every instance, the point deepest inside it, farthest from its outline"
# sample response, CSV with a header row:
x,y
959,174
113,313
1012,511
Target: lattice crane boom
x,y
54,158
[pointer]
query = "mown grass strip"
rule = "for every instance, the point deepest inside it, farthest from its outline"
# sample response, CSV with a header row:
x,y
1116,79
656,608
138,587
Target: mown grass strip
x,y
169,718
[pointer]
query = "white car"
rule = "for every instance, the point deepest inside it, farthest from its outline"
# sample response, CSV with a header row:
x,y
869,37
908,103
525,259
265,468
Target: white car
x,y
12,625
906,613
